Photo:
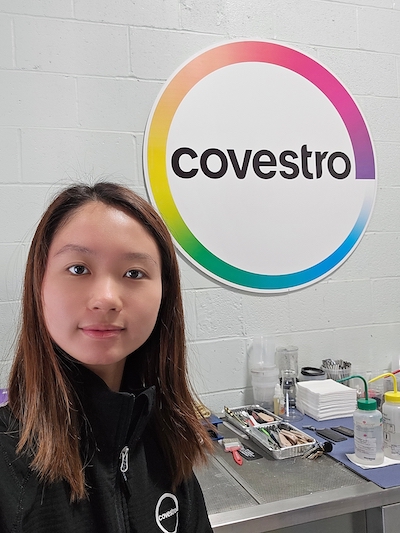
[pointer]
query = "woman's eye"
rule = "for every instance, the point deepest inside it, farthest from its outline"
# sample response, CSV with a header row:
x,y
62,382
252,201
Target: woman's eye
x,y
134,274
78,270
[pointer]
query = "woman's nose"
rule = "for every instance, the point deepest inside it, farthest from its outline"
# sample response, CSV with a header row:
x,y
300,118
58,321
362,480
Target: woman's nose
x,y
105,296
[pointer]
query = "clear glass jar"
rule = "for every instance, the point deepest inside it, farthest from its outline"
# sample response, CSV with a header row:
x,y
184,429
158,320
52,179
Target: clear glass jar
x,y
289,389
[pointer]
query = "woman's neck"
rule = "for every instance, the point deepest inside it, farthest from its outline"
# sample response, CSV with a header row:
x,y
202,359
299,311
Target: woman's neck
x,y
110,374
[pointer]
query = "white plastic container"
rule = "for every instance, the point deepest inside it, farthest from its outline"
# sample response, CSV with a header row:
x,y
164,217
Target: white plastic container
x,y
263,371
391,420
263,381
368,428
368,432
391,425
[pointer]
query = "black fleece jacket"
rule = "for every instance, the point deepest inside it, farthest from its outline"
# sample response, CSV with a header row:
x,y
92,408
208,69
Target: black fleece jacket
x,y
129,482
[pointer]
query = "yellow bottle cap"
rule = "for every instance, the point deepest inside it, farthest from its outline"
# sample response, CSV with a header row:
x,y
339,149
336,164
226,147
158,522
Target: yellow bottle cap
x,y
392,396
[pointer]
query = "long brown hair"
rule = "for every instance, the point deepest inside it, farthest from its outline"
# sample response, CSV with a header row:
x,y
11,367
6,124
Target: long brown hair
x,y
49,427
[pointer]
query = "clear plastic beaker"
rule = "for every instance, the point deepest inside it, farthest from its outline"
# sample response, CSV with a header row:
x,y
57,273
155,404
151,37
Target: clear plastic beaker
x,y
287,358
261,352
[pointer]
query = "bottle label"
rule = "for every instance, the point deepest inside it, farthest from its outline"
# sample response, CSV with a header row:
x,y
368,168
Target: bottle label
x,y
365,441
388,428
365,448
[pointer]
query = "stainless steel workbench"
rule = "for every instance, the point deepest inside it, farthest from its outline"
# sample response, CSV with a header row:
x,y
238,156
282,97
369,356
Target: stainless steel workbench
x,y
287,495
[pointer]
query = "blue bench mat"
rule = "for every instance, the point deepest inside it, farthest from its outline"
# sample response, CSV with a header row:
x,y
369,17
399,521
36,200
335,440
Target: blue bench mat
x,y
385,477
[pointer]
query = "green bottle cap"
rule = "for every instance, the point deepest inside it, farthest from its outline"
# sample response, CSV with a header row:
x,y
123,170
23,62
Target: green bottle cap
x,y
366,404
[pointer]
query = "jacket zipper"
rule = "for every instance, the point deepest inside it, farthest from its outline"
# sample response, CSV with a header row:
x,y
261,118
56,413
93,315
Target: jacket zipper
x,y
124,466
124,488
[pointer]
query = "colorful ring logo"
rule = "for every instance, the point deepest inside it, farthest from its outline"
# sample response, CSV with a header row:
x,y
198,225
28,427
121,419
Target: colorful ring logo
x,y
156,167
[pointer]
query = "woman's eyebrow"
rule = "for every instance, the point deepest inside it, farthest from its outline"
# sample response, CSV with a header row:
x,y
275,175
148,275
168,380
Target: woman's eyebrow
x,y
74,248
139,255
132,256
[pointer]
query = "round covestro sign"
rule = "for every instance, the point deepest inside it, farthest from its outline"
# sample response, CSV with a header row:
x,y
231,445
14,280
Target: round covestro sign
x,y
261,165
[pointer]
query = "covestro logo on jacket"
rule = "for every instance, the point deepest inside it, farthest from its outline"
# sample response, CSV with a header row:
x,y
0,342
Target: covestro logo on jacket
x,y
167,515
261,165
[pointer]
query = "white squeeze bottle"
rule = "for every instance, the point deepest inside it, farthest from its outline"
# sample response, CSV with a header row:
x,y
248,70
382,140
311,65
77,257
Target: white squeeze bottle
x,y
368,430
391,419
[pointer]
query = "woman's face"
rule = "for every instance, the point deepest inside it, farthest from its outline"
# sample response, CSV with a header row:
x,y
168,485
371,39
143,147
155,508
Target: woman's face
x,y
102,288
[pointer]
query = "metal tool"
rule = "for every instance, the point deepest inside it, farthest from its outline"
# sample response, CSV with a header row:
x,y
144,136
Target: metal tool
x,y
319,449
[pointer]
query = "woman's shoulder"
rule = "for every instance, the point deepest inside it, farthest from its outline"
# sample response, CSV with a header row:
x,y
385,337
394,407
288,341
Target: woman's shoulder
x,y
9,436
18,484
8,423
11,464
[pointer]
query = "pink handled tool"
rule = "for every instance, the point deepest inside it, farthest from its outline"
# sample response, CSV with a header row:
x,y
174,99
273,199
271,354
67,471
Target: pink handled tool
x,y
233,446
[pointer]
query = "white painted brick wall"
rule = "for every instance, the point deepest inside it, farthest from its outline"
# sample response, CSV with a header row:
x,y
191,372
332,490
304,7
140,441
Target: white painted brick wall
x,y
383,116
43,8
375,75
155,14
37,99
20,208
251,19
156,54
71,47
69,154
379,30
111,104
9,155
317,23
78,79
207,16
6,42
388,157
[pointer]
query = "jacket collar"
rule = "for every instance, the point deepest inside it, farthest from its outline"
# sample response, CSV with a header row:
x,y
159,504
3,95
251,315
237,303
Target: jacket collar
x,y
114,419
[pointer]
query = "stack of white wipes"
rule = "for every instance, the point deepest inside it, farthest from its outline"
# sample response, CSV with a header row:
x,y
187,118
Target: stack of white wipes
x,y
325,399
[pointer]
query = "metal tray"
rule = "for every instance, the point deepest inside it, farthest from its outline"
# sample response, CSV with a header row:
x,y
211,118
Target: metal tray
x,y
261,439
232,412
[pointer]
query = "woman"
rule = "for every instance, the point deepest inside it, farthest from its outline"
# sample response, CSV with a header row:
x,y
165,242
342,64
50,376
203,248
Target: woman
x,y
100,433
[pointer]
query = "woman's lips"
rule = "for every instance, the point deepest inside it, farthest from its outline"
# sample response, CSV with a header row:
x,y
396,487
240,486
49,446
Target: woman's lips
x,y
102,332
